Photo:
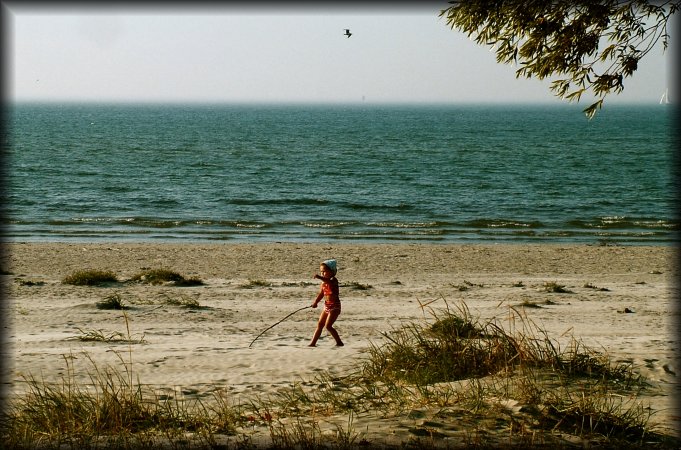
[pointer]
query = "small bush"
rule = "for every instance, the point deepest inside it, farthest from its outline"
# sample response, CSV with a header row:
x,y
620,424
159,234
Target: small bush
x,y
183,302
297,284
554,287
90,278
452,325
193,281
161,276
256,284
456,347
357,286
111,302
591,286
437,354
529,304
112,337
23,282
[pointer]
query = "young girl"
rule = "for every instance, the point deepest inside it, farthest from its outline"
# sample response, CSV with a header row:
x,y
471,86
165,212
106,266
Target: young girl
x,y
332,305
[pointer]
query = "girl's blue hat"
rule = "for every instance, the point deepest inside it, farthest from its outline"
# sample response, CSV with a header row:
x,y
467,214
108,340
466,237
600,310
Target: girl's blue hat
x,y
331,264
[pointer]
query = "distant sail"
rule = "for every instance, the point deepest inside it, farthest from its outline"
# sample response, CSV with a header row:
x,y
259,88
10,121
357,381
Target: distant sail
x,y
665,97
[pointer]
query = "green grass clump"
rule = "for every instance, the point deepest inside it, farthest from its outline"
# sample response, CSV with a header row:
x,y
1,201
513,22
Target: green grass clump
x,y
422,356
90,278
161,276
453,325
457,347
111,408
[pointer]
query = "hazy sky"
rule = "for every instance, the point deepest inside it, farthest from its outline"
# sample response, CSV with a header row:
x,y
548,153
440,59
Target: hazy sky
x,y
268,54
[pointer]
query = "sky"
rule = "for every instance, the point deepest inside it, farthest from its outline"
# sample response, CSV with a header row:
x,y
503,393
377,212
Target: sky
x,y
271,53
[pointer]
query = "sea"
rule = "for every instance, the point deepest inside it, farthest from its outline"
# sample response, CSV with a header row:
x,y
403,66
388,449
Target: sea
x,y
85,172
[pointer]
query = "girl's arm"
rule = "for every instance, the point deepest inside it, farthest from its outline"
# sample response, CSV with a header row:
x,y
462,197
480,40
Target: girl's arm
x,y
319,277
318,298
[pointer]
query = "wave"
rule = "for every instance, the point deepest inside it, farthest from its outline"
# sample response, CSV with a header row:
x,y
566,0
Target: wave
x,y
602,223
622,222
502,223
615,228
145,222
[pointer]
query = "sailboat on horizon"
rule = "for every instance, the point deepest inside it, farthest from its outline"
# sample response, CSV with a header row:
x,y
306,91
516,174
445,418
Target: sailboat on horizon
x,y
664,100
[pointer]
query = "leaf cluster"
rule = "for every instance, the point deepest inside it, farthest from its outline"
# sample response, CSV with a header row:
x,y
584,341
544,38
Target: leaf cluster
x,y
563,38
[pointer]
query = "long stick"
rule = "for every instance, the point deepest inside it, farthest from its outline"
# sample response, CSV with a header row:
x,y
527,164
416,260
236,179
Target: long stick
x,y
266,329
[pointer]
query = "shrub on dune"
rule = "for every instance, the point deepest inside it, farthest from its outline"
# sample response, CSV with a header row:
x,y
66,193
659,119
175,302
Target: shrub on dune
x,y
90,277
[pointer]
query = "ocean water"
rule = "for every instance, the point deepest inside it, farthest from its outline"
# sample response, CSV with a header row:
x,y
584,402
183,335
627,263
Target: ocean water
x,y
322,173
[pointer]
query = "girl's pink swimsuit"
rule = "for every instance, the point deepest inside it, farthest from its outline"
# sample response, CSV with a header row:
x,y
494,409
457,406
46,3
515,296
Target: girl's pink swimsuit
x,y
331,298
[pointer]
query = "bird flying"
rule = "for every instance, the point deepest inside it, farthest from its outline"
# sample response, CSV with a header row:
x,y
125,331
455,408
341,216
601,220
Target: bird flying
x,y
347,32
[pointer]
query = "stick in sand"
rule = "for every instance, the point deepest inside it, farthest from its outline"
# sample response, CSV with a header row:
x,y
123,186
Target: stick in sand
x,y
268,328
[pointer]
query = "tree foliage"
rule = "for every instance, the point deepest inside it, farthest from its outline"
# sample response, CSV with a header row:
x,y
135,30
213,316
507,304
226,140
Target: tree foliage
x,y
589,46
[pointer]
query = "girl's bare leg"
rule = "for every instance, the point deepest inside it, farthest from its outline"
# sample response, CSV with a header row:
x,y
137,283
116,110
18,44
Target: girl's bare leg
x,y
331,318
318,330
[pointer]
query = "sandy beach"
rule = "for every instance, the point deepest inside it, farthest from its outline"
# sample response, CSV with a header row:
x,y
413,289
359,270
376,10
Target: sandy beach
x,y
249,287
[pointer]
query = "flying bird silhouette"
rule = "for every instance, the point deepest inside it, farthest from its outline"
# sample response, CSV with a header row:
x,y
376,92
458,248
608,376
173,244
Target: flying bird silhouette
x,y
347,32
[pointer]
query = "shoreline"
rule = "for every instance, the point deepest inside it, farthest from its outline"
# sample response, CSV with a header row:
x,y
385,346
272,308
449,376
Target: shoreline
x,y
607,241
250,286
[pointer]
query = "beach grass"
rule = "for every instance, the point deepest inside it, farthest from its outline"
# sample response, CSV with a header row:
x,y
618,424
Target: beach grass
x,y
163,276
356,286
256,283
106,336
553,287
451,374
90,277
182,301
23,282
113,301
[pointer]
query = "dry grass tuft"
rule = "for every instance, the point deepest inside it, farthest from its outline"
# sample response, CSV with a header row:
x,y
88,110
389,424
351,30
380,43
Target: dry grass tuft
x,y
113,301
254,283
90,278
554,287
164,276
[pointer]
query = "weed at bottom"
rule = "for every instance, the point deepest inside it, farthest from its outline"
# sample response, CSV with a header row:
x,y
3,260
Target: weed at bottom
x,y
296,433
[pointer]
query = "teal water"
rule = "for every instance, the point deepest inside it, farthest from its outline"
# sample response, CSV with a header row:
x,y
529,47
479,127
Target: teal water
x,y
84,172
